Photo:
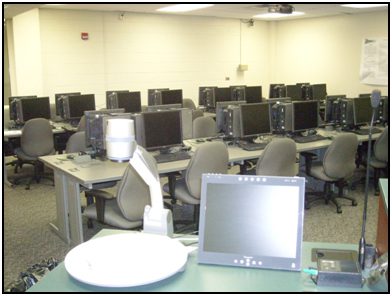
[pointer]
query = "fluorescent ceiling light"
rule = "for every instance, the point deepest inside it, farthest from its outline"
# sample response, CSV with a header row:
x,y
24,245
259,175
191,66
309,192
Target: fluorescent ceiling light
x,y
275,15
366,5
184,7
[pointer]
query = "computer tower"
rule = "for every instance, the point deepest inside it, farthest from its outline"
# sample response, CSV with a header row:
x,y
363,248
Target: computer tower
x,y
138,121
232,122
281,114
346,113
382,113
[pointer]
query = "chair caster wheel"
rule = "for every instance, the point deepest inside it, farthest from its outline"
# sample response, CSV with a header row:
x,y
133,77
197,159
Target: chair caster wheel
x,y
339,210
354,203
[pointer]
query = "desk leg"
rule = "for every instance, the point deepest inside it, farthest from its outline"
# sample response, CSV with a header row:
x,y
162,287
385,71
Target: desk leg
x,y
75,213
61,225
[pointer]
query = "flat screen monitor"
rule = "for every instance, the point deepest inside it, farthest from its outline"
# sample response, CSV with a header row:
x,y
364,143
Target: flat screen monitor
x,y
74,106
161,129
222,94
33,108
173,96
277,90
255,119
319,92
206,95
253,94
252,221
305,115
220,117
108,93
130,101
294,92
57,98
12,105
364,95
362,110
154,96
238,92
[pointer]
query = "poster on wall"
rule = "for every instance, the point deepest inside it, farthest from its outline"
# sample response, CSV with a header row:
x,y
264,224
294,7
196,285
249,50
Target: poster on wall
x,y
374,63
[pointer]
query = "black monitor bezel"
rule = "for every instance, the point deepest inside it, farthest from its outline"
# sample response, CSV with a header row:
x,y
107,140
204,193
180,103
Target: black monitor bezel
x,y
297,104
242,111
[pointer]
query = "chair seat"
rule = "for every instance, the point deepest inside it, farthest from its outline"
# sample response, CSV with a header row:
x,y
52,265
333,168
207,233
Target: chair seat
x,y
22,155
113,215
181,192
317,171
375,163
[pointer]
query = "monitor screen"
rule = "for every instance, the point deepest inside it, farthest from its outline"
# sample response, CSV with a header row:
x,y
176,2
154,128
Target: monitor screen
x,y
78,104
238,92
173,96
253,94
206,94
255,119
34,108
364,95
57,98
362,110
162,129
154,96
319,92
305,115
294,92
12,105
222,94
130,101
252,221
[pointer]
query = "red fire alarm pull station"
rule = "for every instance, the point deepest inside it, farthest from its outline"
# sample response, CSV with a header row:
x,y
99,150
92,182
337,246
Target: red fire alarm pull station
x,y
84,36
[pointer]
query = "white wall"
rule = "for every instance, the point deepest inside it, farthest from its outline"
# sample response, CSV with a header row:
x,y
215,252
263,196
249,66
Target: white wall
x,y
27,63
327,50
144,51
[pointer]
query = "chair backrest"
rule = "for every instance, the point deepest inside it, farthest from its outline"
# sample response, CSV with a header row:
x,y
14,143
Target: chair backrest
x,y
381,147
133,193
208,158
76,143
278,159
197,113
82,124
339,158
204,127
188,103
37,137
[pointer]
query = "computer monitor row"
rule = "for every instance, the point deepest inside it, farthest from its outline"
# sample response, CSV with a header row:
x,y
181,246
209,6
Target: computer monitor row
x,y
299,91
209,96
354,112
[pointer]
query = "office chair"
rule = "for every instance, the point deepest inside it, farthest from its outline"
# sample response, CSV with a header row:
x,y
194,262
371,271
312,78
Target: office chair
x,y
204,127
336,168
278,159
36,140
126,209
188,103
82,124
77,143
379,161
209,157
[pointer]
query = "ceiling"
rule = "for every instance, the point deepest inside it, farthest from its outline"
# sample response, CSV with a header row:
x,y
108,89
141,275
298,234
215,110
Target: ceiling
x,y
239,11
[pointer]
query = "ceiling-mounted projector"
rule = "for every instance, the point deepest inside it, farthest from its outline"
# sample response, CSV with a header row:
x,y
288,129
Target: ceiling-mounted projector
x,y
281,8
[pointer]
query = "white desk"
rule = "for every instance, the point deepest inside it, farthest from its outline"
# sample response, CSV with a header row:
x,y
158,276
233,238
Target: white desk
x,y
69,177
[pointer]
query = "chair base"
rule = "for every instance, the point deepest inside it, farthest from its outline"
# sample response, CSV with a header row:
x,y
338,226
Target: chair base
x,y
329,196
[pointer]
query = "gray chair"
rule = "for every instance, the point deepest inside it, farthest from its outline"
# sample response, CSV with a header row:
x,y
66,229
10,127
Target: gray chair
x,y
126,209
76,143
188,103
203,127
336,168
380,158
82,124
278,159
209,157
36,140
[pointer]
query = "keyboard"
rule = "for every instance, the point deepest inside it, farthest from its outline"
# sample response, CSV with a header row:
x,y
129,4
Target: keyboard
x,y
175,156
252,146
365,131
308,139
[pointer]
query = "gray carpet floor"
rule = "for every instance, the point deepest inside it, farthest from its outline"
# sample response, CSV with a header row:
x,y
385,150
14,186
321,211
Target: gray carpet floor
x,y
28,239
